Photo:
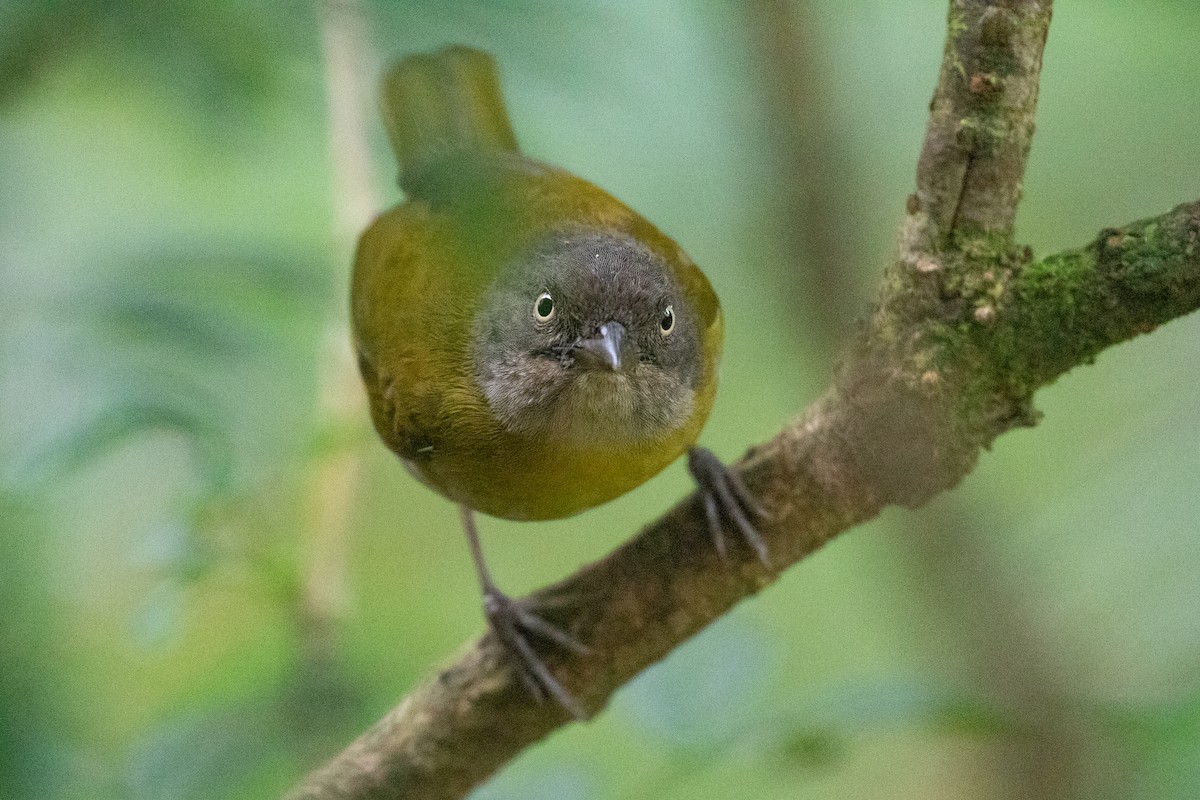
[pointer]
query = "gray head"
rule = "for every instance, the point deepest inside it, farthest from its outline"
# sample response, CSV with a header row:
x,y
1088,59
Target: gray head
x,y
588,339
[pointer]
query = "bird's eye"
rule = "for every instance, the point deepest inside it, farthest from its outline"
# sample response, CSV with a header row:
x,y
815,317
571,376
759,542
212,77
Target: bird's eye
x,y
543,307
667,323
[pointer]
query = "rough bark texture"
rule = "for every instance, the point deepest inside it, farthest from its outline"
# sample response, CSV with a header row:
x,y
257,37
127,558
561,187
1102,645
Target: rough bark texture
x,y
966,328
949,553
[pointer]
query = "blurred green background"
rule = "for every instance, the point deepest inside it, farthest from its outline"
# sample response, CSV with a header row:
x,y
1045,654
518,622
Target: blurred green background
x,y
212,575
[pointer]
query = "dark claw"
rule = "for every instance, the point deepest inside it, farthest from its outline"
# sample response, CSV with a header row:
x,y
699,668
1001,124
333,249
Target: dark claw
x,y
714,525
511,623
726,496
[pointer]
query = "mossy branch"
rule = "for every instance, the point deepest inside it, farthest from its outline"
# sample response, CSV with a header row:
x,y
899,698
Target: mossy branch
x,y
967,327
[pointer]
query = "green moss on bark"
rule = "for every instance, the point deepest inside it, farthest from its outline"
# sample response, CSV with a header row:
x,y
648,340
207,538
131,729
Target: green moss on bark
x,y
1018,327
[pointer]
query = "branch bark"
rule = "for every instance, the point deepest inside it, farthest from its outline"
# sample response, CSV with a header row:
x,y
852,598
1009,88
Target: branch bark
x,y
950,550
966,328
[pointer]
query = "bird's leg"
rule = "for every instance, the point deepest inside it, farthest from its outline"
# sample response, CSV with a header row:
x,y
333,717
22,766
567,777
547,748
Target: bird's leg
x,y
510,621
726,498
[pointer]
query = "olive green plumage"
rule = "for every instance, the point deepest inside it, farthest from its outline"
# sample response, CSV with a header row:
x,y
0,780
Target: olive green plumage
x,y
501,407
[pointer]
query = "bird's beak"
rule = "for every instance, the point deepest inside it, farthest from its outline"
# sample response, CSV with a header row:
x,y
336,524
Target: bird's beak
x,y
607,349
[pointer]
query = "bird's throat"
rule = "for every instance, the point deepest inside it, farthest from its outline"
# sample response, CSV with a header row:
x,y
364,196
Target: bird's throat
x,y
598,408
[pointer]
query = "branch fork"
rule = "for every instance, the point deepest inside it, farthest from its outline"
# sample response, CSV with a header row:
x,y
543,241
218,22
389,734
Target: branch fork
x,y
968,325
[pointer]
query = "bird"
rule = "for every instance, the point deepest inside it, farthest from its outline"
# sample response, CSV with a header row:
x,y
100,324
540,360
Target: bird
x,y
530,346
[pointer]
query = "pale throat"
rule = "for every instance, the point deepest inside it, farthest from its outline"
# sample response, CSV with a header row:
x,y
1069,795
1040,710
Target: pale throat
x,y
591,407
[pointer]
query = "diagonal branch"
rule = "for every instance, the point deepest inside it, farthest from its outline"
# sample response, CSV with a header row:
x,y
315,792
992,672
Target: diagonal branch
x,y
819,476
965,330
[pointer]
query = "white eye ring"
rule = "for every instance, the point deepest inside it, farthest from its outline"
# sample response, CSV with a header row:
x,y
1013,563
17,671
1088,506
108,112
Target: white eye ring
x,y
543,307
667,323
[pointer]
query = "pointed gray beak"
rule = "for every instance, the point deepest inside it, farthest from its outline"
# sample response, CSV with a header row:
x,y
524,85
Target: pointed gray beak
x,y
606,349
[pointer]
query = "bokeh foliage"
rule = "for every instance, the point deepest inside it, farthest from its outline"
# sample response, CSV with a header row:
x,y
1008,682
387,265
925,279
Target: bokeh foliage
x,y
170,270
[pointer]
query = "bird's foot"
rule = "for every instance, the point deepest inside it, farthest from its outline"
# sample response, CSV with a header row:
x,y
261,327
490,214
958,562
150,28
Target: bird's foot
x,y
512,624
726,498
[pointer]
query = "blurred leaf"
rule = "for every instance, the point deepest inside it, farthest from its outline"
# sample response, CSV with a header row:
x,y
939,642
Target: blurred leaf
x,y
217,60
707,691
34,36
1157,725
174,324
1165,741
818,733
813,749
897,702
238,275
110,429
170,326
975,717
210,300
204,754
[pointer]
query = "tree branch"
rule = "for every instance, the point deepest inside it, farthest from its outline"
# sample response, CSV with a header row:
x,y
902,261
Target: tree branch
x,y
945,550
980,120
965,330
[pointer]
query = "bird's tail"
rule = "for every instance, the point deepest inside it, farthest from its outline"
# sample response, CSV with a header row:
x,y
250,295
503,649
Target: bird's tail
x,y
436,104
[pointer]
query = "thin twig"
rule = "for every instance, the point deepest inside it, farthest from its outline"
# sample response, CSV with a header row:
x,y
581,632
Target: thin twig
x,y
332,476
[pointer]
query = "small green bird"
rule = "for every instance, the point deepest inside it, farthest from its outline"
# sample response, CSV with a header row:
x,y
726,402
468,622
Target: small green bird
x,y
530,346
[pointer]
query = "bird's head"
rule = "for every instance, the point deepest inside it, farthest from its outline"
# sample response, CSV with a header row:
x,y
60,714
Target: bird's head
x,y
587,338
